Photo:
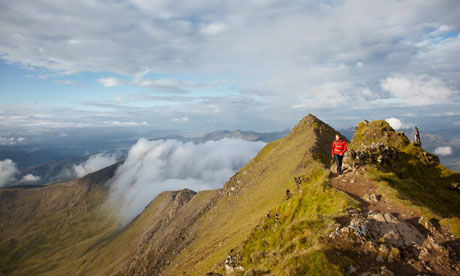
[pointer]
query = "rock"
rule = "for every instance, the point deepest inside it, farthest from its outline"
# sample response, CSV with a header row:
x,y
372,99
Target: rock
x,y
394,231
384,271
429,224
232,263
288,194
372,198
380,259
431,247
417,141
352,269
384,250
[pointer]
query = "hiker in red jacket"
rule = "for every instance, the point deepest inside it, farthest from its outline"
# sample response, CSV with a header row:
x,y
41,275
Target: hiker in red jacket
x,y
339,147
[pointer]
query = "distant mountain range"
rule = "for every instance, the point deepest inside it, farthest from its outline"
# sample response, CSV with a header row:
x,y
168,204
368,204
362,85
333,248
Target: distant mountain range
x,y
54,165
394,211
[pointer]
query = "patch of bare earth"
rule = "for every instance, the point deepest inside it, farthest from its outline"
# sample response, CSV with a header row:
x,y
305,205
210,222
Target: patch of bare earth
x,y
385,237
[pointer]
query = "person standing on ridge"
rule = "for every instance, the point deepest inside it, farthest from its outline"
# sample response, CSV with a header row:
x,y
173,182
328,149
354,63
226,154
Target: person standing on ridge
x,y
339,147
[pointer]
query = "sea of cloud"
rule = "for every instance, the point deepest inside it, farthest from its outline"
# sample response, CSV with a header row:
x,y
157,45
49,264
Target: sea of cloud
x,y
156,166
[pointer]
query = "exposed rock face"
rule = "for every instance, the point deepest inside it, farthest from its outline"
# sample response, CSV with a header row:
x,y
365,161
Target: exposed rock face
x,y
376,153
417,141
167,235
394,242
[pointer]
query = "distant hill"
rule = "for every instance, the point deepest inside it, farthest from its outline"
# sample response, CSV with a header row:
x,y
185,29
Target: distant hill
x,y
61,168
394,211
251,136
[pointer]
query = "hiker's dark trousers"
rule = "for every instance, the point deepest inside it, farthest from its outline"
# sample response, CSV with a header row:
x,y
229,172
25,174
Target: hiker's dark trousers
x,y
338,161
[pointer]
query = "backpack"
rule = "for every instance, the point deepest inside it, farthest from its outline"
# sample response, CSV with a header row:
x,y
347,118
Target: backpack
x,y
339,146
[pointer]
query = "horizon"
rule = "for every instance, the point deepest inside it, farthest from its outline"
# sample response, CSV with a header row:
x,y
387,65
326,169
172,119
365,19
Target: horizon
x,y
251,65
74,75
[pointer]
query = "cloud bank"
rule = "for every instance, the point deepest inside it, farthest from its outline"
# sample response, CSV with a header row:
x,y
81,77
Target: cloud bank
x,y
156,166
94,163
8,170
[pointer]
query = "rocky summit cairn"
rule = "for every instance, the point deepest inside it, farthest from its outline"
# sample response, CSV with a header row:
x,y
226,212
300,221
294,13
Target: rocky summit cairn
x,y
417,141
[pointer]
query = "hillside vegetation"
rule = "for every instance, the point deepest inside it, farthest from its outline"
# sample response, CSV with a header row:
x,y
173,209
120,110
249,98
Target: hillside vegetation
x,y
395,210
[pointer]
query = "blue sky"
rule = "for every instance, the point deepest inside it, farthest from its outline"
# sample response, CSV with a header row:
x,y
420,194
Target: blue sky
x,y
205,65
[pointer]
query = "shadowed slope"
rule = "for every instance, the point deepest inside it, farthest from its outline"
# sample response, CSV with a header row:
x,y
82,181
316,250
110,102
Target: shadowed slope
x,y
258,188
46,228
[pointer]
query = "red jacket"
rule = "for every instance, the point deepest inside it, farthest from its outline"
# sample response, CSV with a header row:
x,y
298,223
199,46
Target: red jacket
x,y
339,147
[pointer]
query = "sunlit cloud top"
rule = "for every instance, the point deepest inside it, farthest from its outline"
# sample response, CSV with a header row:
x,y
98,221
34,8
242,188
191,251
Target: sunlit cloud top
x,y
225,64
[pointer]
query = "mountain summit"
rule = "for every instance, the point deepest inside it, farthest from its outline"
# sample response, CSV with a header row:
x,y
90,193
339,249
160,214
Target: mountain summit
x,y
395,210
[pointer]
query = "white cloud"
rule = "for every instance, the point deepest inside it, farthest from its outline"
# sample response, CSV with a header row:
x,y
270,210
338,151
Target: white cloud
x,y
11,141
443,151
417,90
108,82
281,54
155,166
396,123
7,172
94,163
29,178
180,120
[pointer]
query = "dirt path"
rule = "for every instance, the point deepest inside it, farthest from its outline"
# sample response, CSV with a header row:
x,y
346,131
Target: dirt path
x,y
438,255
357,185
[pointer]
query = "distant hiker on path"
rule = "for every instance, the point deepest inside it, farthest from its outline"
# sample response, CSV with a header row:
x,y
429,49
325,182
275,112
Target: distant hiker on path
x,y
339,147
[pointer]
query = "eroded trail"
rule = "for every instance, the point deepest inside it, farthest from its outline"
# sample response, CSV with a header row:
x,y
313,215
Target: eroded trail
x,y
392,238
357,185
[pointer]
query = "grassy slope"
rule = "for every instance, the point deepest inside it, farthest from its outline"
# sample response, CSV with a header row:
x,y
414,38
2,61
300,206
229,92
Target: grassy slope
x,y
45,230
260,187
152,229
417,178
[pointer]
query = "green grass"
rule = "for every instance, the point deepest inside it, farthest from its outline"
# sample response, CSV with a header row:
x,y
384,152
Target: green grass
x,y
42,232
289,240
236,218
416,179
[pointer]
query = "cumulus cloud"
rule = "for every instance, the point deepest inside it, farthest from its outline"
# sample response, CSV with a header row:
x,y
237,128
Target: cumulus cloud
x,y
417,90
443,151
155,166
29,178
94,163
396,123
8,170
278,54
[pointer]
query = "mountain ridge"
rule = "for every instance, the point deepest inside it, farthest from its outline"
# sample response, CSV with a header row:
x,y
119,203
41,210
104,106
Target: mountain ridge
x,y
283,213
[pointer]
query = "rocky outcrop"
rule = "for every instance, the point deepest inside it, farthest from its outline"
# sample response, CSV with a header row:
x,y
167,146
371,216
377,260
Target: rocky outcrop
x,y
417,141
377,153
387,240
